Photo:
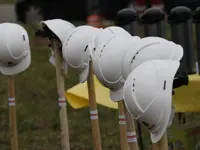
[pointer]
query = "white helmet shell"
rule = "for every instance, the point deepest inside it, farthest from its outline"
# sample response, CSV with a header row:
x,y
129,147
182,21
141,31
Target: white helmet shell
x,y
75,49
107,64
15,55
150,48
59,27
148,94
104,35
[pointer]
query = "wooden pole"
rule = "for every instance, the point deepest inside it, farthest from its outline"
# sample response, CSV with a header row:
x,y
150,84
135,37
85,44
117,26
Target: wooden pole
x,y
163,143
155,146
140,139
12,113
61,101
131,133
93,111
122,125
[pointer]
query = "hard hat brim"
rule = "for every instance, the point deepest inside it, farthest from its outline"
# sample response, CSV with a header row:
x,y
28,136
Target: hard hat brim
x,y
83,76
171,117
178,53
157,135
55,25
20,67
116,95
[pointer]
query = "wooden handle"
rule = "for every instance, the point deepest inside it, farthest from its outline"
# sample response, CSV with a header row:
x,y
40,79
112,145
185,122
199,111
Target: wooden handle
x,y
93,111
123,129
132,140
155,146
163,143
12,113
61,91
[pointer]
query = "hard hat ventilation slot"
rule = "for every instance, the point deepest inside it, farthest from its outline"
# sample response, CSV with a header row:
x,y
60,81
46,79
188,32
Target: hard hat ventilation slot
x,y
7,64
10,64
105,44
164,86
102,50
85,48
134,57
133,85
68,39
24,37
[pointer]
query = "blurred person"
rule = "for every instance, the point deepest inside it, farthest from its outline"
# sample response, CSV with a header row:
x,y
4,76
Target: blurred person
x,y
98,10
94,16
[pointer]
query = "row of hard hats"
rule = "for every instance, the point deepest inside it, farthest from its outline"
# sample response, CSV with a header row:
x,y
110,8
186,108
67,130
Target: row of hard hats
x,y
138,70
15,55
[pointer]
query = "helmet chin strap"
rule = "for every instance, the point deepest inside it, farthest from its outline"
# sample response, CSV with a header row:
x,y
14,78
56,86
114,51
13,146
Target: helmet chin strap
x,y
180,80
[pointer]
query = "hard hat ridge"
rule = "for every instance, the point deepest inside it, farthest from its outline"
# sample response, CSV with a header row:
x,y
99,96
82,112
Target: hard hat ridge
x,y
147,94
75,49
15,49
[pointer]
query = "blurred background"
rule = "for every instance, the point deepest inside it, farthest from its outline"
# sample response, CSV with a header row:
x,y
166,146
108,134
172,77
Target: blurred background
x,y
37,110
29,10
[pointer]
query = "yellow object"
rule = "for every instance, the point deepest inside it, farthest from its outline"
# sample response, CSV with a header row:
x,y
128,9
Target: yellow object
x,y
77,96
186,98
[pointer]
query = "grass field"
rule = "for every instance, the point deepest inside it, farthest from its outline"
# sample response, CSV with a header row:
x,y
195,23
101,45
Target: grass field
x,y
7,1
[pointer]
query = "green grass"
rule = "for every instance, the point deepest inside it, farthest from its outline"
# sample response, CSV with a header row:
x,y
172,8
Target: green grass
x,y
7,1
38,113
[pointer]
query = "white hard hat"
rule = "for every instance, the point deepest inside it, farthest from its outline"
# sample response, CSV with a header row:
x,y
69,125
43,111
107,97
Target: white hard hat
x,y
107,64
75,49
104,35
59,27
15,55
148,94
150,48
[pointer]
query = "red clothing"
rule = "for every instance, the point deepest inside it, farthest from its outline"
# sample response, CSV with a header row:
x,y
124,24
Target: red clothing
x,y
141,5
